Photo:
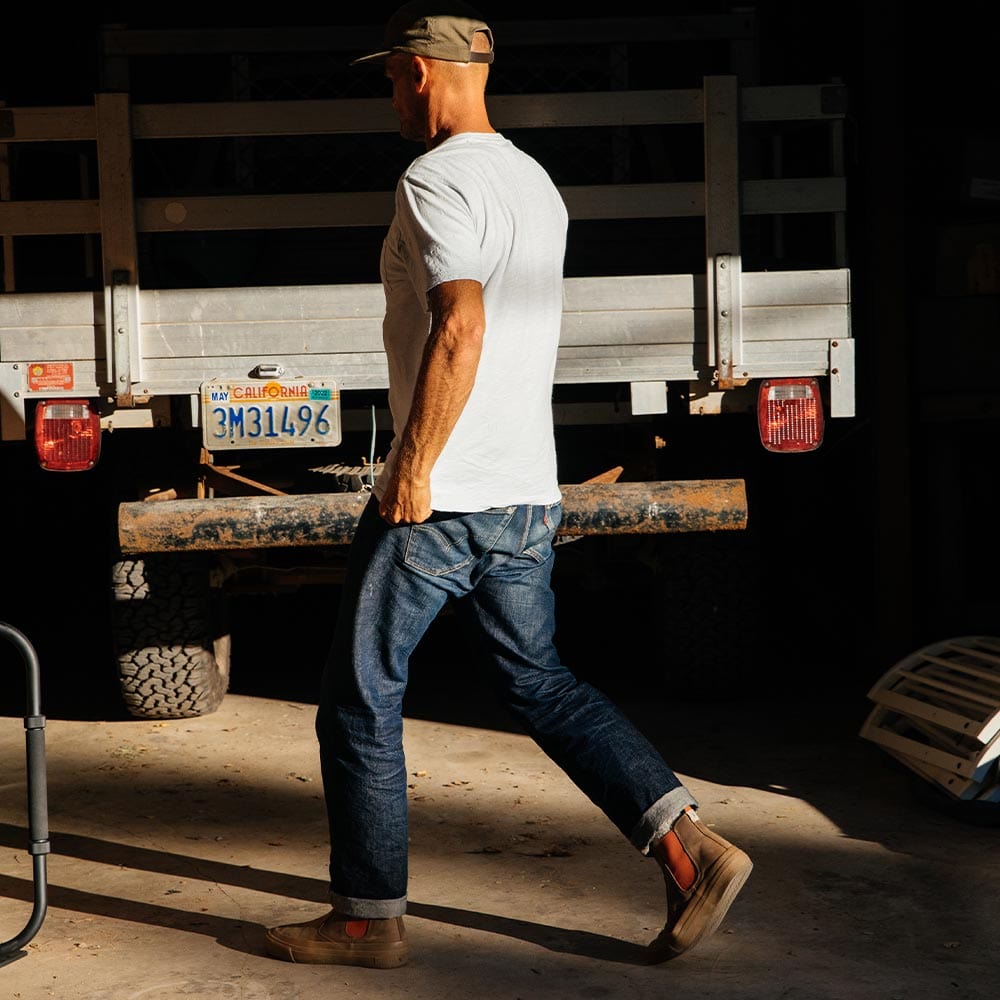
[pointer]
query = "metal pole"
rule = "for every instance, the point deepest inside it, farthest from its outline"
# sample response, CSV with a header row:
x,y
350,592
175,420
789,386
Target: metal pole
x,y
235,523
38,812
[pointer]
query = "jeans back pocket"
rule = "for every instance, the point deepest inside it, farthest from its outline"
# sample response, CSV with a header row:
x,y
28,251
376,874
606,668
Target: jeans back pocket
x,y
449,543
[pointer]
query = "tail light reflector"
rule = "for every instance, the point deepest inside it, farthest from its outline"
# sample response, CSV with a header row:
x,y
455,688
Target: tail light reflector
x,y
790,414
67,435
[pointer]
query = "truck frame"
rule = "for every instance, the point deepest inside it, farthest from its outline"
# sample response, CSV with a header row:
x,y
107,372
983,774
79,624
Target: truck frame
x,y
149,364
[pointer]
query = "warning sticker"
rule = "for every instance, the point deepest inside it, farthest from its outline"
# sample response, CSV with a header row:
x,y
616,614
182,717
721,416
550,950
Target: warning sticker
x,y
50,375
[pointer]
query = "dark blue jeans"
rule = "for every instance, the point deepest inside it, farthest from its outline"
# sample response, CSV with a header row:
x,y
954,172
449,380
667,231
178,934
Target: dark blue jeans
x,y
496,566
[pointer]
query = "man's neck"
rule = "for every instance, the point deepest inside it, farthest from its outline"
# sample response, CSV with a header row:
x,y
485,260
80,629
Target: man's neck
x,y
443,135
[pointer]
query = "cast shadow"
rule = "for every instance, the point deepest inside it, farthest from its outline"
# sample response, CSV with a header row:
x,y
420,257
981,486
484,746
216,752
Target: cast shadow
x,y
248,937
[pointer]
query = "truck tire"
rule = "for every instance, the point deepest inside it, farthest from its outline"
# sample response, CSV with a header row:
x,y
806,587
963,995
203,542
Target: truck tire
x,y
171,637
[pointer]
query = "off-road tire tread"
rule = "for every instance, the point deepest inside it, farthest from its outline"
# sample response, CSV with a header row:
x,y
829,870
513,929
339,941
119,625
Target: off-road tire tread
x,y
169,636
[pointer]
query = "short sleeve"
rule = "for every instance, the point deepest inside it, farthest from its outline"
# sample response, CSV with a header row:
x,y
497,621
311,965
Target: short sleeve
x,y
439,229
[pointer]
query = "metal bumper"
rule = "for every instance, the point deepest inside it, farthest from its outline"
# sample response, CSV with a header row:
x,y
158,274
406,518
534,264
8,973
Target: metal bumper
x,y
262,522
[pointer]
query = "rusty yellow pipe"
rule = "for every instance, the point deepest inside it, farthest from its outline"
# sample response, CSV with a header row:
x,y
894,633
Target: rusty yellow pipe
x,y
260,522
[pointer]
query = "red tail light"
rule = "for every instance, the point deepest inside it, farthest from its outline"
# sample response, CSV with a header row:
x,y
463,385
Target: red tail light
x,y
67,435
790,414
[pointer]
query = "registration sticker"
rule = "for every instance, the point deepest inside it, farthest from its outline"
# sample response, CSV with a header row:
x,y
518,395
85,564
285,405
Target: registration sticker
x,y
279,413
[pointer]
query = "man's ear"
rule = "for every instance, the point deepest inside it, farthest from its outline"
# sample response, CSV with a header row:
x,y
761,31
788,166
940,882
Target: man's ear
x,y
419,73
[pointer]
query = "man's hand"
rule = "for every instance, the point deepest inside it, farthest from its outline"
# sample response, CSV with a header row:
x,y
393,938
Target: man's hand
x,y
405,500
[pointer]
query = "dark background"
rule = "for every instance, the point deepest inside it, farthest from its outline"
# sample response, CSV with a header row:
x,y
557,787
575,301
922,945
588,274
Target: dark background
x,y
887,537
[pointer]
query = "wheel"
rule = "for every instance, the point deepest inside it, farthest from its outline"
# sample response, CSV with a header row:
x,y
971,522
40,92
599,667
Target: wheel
x,y
170,635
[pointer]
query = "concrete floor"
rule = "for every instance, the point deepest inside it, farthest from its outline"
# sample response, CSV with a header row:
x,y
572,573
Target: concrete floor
x,y
175,843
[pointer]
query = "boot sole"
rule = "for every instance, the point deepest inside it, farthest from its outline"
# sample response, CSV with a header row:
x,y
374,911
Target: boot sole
x,y
707,908
379,956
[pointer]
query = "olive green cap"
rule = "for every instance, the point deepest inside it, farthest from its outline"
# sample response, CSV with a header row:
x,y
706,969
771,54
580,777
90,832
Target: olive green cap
x,y
434,30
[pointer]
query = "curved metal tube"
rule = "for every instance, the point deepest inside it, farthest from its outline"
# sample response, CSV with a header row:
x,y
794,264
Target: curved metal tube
x,y
38,810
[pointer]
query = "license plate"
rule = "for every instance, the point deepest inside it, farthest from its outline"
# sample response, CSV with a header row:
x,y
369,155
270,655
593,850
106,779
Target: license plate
x,y
280,413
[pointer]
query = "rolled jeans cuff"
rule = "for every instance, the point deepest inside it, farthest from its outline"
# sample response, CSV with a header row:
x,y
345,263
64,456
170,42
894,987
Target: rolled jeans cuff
x,y
659,818
368,909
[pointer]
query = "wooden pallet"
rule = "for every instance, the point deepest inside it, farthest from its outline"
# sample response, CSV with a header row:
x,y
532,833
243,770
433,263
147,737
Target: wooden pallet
x,y
938,712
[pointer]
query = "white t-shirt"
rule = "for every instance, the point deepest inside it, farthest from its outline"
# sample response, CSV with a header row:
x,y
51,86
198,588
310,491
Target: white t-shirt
x,y
476,207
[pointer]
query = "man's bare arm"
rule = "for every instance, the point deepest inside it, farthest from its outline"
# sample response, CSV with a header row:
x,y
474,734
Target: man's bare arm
x,y
447,374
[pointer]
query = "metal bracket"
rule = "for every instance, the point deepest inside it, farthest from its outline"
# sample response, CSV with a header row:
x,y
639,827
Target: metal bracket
x,y
728,315
118,243
12,415
124,335
722,228
842,377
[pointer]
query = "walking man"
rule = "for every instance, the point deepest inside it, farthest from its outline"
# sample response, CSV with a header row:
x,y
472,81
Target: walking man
x,y
466,509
